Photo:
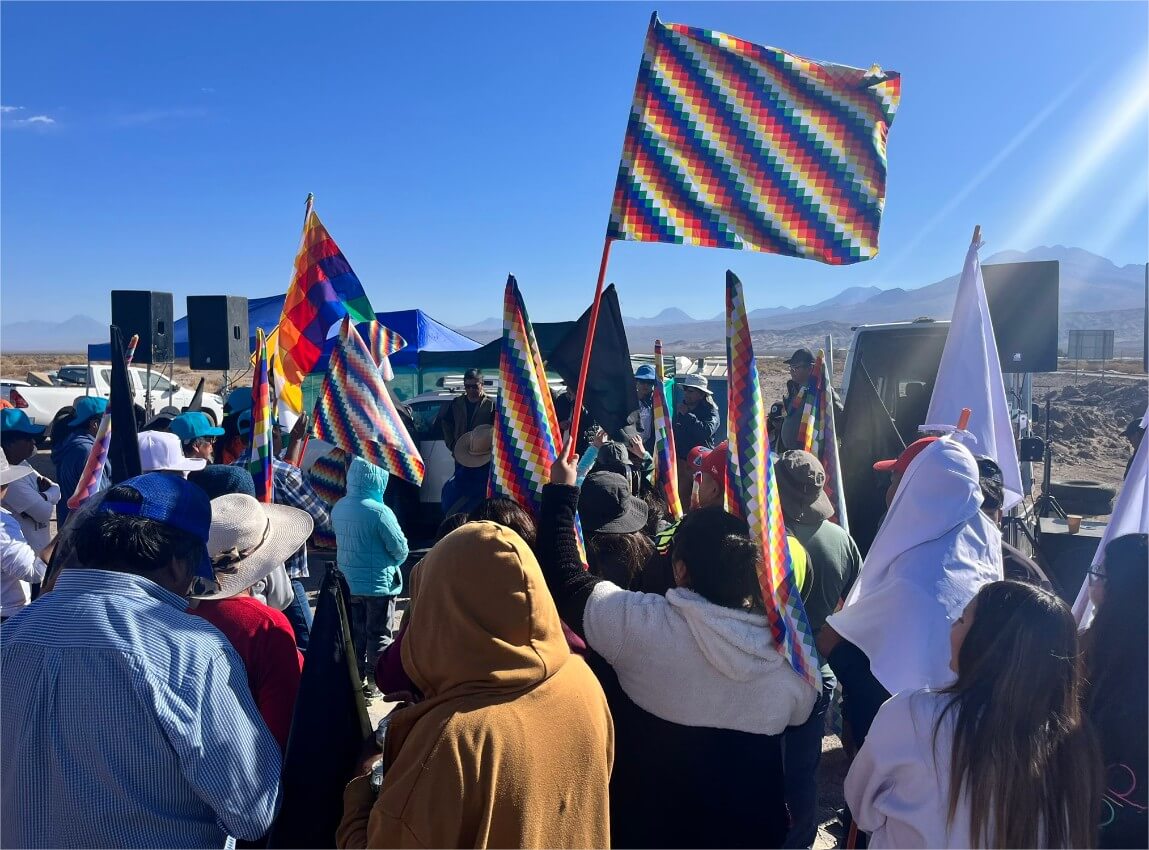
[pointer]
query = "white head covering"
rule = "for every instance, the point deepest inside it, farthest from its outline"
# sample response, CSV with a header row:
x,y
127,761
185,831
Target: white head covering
x,y
934,550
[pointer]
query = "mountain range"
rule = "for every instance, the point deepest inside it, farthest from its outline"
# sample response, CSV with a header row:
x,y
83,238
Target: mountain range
x,y
1094,293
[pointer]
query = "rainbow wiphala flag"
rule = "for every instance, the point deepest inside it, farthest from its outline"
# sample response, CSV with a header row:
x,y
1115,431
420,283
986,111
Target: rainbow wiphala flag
x,y
810,426
818,435
665,459
525,440
354,411
323,290
259,457
735,145
753,492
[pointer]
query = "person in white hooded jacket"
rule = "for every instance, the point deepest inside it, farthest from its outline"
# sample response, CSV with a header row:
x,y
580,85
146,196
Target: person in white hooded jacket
x,y
699,694
933,552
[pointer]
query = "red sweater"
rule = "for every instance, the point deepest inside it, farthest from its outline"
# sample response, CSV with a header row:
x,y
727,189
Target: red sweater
x,y
264,640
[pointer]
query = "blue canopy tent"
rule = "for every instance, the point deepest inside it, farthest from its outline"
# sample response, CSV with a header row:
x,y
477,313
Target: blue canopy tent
x,y
422,333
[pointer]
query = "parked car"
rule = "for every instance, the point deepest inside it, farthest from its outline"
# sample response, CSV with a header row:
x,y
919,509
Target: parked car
x,y
41,404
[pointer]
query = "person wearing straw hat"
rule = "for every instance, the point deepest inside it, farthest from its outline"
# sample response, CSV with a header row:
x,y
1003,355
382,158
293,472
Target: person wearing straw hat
x,y
833,562
32,498
247,542
463,491
291,489
20,564
695,423
71,456
127,722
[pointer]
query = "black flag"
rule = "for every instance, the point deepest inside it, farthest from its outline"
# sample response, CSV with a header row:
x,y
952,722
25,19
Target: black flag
x,y
196,404
610,395
868,434
328,727
123,448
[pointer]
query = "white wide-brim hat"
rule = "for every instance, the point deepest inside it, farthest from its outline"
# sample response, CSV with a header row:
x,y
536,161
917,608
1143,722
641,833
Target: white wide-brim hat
x,y
249,539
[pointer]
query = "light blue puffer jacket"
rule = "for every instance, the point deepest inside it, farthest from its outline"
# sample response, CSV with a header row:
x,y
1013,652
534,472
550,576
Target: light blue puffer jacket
x,y
371,544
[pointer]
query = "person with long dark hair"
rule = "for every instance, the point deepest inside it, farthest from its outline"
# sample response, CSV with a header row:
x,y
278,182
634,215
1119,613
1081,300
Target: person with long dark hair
x,y
1117,687
1004,756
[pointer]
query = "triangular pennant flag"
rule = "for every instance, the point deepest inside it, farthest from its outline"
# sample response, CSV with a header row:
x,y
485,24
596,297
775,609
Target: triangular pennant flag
x,y
354,411
383,342
525,441
123,445
969,375
753,493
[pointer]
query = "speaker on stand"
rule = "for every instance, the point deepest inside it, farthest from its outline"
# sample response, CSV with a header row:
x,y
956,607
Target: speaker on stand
x,y
150,315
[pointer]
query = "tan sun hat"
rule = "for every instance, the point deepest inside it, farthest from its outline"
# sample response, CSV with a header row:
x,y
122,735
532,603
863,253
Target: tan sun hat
x,y
474,448
249,539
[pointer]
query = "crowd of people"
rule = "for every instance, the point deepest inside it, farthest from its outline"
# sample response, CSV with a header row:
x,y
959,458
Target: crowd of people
x,y
597,673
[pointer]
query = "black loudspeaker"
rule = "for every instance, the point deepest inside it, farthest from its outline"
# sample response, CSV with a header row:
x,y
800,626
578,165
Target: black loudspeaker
x,y
149,314
218,332
1023,305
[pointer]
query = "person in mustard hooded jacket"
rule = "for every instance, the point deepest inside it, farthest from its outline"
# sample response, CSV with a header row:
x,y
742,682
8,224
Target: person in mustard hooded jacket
x,y
514,744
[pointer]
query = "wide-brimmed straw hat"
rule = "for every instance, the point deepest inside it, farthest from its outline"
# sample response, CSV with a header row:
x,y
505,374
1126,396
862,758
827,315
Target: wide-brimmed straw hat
x,y
697,382
248,539
474,448
10,473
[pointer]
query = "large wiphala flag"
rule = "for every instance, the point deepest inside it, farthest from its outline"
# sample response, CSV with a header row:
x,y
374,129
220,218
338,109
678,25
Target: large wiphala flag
x,y
735,145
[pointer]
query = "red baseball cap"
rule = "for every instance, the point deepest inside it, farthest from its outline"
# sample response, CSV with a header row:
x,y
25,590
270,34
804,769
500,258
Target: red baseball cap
x,y
905,458
712,461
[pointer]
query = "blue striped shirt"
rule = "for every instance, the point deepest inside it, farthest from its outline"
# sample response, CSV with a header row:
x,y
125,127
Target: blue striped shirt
x,y
127,722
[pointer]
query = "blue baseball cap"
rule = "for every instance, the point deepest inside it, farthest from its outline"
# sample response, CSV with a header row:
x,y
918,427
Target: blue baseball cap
x,y
189,426
238,400
13,419
171,500
87,408
645,373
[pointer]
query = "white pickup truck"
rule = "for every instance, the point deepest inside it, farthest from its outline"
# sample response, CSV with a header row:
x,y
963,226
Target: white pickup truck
x,y
41,404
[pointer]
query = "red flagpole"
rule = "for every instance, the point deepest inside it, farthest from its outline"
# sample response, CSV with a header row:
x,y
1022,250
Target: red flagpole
x,y
581,389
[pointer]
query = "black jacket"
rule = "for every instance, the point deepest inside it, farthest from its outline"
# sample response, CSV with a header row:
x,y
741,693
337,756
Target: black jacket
x,y
695,427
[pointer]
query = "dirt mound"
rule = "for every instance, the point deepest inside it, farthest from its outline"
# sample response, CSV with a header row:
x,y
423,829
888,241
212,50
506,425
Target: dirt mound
x,y
1086,421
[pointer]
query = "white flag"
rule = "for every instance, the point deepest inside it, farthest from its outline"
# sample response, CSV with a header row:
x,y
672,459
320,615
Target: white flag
x,y
1130,516
970,376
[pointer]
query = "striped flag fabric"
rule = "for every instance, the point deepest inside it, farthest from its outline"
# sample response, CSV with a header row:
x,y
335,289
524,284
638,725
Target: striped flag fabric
x,y
354,411
323,290
90,478
260,450
665,459
383,342
525,438
735,145
753,492
328,478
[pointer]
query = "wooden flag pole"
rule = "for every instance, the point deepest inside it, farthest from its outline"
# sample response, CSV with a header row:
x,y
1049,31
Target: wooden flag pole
x,y
580,391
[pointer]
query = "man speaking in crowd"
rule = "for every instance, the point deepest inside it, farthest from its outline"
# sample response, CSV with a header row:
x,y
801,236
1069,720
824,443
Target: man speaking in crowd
x,y
467,412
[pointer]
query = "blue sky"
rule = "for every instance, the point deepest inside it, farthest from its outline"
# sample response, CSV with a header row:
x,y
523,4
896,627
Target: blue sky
x,y
170,146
